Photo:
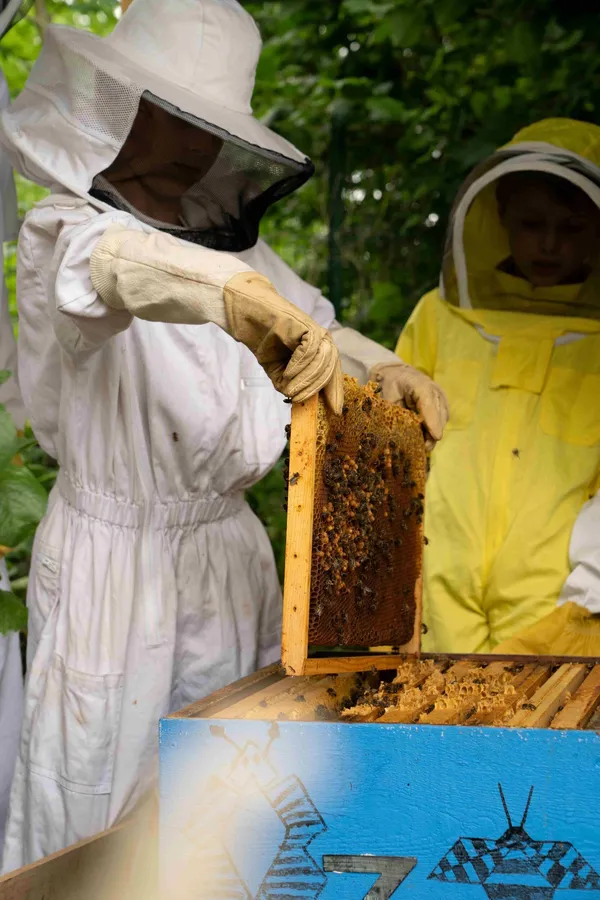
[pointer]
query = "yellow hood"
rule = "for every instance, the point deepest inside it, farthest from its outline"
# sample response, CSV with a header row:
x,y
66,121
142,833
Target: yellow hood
x,y
476,241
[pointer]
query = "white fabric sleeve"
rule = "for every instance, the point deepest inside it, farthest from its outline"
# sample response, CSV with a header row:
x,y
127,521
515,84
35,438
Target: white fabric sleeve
x,y
82,320
583,584
162,279
358,353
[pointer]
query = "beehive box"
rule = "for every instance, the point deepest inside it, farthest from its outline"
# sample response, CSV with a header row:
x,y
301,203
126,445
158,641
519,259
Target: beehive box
x,y
441,779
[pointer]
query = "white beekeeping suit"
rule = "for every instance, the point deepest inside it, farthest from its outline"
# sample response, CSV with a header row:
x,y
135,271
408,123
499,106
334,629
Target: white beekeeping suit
x,y
152,582
11,675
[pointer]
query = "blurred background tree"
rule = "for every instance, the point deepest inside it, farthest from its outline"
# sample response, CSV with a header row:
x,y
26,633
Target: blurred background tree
x,y
394,101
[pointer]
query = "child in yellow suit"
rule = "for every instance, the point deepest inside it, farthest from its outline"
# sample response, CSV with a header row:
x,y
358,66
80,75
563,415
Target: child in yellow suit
x,y
513,337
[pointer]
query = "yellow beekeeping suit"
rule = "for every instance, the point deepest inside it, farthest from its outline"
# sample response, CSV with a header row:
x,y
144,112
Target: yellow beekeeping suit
x,y
521,368
569,630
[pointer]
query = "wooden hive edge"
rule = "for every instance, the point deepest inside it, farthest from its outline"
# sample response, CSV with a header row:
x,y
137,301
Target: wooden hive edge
x,y
582,706
299,537
562,696
231,694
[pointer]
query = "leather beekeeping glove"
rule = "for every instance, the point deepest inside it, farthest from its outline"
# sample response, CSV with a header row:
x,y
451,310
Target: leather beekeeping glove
x,y
159,278
366,360
401,383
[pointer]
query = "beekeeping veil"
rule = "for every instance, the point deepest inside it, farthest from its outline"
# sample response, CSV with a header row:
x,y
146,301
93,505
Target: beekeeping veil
x,y
476,241
188,67
11,12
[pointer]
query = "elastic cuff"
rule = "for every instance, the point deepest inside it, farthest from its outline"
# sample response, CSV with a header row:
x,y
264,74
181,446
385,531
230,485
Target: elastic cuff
x,y
103,277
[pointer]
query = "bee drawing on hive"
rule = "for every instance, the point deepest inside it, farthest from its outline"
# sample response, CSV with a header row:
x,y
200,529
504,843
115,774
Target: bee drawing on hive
x,y
221,866
515,866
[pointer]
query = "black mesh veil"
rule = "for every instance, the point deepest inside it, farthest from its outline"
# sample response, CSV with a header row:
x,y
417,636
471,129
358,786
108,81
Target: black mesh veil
x,y
191,179
11,12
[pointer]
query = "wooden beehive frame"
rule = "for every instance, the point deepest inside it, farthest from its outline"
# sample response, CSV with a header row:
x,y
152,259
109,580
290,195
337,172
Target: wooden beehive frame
x,y
297,583
555,694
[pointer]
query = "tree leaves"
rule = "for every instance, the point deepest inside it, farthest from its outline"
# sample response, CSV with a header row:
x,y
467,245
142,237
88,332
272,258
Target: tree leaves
x,y
13,613
9,443
22,504
406,26
386,109
522,46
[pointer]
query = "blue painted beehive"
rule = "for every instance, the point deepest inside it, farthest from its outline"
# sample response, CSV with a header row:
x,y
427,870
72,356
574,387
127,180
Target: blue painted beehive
x,y
269,792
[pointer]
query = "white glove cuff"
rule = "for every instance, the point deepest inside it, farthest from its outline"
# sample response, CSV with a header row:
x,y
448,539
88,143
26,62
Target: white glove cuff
x,y
104,279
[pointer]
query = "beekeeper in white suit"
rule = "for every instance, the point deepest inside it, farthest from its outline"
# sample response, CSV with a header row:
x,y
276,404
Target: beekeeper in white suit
x,y
11,669
152,582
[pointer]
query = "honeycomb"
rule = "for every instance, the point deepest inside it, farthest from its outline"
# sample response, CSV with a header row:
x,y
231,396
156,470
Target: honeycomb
x,y
368,522
427,693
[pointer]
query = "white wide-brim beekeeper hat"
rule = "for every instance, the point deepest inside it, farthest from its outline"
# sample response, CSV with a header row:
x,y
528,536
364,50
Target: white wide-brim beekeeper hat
x,y
80,101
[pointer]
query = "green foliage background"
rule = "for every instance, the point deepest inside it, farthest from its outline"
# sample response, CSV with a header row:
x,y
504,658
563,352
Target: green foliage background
x,y
394,101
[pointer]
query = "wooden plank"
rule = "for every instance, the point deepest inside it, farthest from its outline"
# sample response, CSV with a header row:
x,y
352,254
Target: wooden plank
x,y
580,708
516,658
324,665
298,548
119,862
521,674
594,722
264,698
323,701
125,4
230,694
456,714
322,695
413,647
535,678
365,713
549,697
328,665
